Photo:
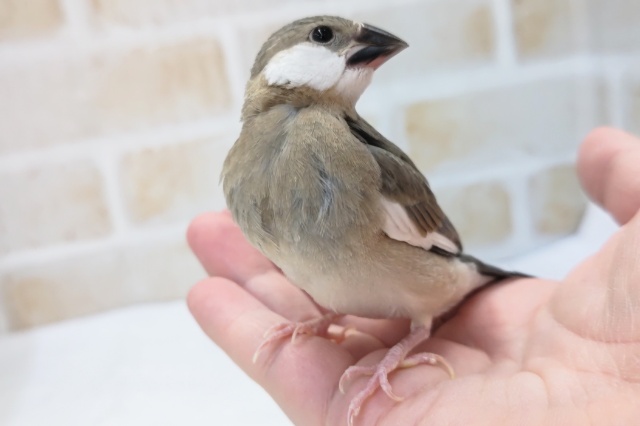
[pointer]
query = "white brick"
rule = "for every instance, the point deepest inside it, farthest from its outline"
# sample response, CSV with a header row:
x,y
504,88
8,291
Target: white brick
x,y
53,205
153,12
557,201
174,182
109,93
442,35
614,24
480,212
631,100
537,118
546,28
28,19
86,284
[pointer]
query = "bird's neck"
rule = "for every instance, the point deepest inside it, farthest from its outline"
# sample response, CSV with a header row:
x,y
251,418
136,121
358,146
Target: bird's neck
x,y
261,97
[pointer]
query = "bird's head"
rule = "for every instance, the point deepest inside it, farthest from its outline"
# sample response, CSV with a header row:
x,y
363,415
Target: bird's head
x,y
325,55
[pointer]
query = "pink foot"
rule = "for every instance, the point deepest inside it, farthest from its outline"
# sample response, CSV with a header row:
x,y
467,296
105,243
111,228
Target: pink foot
x,y
395,358
313,327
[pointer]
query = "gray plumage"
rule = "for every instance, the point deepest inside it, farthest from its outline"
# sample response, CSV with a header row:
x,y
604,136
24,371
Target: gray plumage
x,y
344,212
306,182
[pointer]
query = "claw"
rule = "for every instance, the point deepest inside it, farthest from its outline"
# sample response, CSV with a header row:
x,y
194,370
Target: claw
x,y
386,387
295,334
341,385
355,370
380,377
274,333
431,359
343,334
353,414
395,358
317,326
258,351
349,331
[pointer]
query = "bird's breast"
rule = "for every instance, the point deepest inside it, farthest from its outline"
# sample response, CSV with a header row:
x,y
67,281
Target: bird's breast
x,y
315,185
307,194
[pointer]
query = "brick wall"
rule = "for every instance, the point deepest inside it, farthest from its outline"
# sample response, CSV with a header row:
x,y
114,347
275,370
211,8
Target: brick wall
x,y
115,117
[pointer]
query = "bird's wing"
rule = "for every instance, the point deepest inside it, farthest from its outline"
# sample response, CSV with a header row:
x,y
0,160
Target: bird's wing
x,y
412,212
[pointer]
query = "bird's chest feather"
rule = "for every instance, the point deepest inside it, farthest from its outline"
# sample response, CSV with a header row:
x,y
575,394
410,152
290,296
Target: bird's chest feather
x,y
322,194
307,186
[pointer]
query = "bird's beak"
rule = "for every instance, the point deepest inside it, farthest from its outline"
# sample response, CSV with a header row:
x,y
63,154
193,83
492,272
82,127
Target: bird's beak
x,y
373,47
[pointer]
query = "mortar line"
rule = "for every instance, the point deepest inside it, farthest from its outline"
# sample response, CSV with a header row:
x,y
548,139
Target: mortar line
x,y
506,50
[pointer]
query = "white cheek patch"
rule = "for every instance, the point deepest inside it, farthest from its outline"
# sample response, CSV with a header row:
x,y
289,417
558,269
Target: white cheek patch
x,y
305,64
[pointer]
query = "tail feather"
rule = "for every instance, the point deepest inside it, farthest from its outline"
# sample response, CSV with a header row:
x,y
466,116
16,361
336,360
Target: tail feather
x,y
483,269
490,270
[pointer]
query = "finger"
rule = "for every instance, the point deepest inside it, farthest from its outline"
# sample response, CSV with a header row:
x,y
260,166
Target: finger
x,y
360,344
388,332
301,377
608,169
220,247
496,320
278,294
223,251
600,302
601,297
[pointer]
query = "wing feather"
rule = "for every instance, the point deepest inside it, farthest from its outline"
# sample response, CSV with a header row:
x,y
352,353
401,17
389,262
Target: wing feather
x,y
412,212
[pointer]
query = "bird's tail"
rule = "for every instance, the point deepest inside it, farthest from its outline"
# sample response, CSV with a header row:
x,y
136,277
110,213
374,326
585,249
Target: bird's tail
x,y
490,270
495,275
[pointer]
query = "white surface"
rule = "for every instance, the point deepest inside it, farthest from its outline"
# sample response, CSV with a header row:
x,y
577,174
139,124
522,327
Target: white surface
x,y
151,364
148,365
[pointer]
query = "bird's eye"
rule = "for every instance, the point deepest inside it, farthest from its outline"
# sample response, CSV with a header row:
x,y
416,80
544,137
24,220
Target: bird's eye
x,y
321,34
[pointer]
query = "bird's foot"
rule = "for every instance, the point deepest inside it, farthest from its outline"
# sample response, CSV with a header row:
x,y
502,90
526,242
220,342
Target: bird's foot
x,y
395,358
314,327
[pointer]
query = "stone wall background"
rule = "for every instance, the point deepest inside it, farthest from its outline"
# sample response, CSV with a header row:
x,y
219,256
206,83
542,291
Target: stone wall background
x,y
116,115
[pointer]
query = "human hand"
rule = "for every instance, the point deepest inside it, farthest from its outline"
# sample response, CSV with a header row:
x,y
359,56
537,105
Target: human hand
x,y
530,351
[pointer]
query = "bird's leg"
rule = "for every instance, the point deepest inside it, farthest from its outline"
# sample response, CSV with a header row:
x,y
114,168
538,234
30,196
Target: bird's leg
x,y
315,327
395,358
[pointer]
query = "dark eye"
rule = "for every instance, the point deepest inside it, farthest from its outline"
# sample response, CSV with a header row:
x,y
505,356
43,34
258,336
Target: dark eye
x,y
322,34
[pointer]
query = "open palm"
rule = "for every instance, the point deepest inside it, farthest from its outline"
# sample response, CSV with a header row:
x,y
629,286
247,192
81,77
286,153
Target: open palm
x,y
525,352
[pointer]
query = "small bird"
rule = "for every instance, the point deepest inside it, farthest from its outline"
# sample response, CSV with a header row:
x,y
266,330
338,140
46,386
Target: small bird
x,y
341,210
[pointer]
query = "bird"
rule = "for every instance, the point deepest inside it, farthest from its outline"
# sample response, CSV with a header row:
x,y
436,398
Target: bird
x,y
341,210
